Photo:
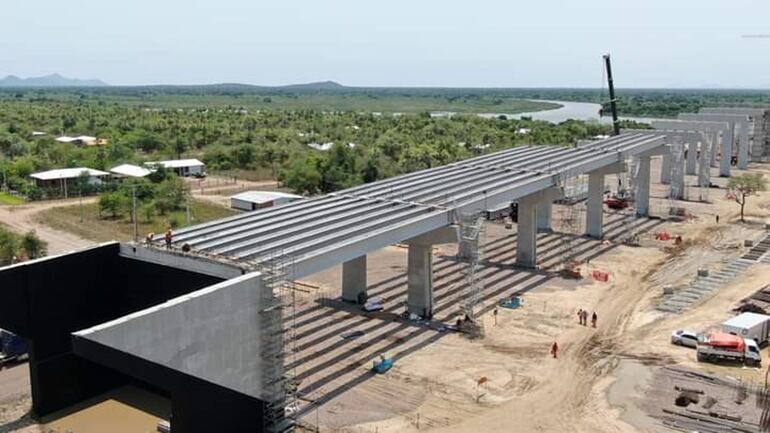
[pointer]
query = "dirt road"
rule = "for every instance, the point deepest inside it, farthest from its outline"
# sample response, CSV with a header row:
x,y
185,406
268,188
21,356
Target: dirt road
x,y
21,219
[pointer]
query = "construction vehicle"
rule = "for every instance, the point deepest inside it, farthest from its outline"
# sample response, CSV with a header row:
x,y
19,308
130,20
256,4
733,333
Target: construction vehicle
x,y
13,349
619,200
721,346
751,326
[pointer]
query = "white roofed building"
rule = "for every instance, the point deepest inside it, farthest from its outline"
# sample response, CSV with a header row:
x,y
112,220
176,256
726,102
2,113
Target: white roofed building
x,y
64,177
182,167
130,170
253,200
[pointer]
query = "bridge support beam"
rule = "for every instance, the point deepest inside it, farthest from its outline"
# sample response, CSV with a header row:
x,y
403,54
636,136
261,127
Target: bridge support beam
x,y
528,223
595,200
354,280
420,280
692,155
665,169
726,152
419,270
743,146
544,216
643,187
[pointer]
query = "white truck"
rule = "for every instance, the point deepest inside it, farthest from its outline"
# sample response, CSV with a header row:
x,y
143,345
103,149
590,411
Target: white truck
x,y
751,326
721,346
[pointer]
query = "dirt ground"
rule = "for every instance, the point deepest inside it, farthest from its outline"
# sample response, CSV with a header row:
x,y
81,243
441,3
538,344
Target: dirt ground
x,y
602,376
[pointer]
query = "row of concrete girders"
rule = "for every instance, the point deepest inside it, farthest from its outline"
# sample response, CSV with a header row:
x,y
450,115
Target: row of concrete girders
x,y
323,232
531,212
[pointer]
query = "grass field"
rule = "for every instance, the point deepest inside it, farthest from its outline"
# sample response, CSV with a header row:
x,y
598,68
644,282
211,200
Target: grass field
x,y
8,199
84,221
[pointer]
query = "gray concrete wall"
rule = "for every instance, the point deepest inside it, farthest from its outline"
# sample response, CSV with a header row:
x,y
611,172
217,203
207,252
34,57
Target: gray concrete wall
x,y
213,334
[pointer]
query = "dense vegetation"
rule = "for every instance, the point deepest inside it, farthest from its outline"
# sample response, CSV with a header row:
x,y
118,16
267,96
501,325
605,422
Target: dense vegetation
x,y
269,130
366,146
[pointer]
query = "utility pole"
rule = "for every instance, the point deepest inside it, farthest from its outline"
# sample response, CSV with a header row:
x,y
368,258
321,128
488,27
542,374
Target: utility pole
x,y
613,100
133,214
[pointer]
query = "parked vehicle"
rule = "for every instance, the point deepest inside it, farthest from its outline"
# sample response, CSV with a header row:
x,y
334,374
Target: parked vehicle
x,y
751,326
721,346
685,338
12,348
372,305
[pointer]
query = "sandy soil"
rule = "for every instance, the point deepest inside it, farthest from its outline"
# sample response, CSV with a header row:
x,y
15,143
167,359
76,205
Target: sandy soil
x,y
21,219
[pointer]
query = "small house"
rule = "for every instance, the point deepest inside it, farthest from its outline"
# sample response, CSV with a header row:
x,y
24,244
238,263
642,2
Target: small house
x,y
182,167
64,177
253,200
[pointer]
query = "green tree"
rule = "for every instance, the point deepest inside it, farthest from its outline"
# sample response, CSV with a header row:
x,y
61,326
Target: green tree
x,y
148,211
743,187
172,194
112,203
33,246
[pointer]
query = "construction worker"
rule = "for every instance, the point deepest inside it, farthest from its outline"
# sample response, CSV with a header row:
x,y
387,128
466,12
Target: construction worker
x,y
555,349
169,237
150,237
585,317
594,318
717,219
580,316
495,314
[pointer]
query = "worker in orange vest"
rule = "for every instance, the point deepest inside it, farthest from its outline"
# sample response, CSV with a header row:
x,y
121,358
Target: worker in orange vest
x,y
555,349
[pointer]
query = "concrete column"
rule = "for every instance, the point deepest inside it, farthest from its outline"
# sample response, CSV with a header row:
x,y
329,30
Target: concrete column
x,y
420,280
544,215
726,152
354,279
595,205
665,168
704,171
743,145
677,180
713,149
526,247
692,155
643,187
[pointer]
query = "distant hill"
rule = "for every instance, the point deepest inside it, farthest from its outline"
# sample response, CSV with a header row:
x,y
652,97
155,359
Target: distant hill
x,y
320,85
53,80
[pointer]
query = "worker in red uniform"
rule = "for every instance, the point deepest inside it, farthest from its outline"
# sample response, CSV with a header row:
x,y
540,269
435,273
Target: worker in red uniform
x,y
555,349
169,237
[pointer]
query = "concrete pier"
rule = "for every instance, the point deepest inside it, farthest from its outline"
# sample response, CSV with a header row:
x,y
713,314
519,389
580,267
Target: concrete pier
x,y
354,279
643,187
726,151
665,169
526,247
743,145
544,216
595,205
692,158
420,280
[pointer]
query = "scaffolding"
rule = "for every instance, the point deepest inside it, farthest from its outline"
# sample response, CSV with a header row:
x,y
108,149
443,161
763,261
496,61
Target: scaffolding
x,y
471,246
278,339
570,221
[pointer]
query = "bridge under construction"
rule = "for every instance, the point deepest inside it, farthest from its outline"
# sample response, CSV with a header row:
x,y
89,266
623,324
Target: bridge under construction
x,y
209,320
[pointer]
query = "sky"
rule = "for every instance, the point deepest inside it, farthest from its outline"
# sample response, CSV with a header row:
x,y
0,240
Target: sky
x,y
447,43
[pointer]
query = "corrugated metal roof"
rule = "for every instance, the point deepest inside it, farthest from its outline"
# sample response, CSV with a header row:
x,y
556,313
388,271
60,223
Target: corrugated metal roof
x,y
263,196
67,173
178,163
130,170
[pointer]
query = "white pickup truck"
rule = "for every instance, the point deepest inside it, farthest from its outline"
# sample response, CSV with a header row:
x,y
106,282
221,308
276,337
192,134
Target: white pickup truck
x,y
721,346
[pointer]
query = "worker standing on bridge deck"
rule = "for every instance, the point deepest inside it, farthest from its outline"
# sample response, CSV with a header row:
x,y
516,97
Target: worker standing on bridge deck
x,y
169,237
555,350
